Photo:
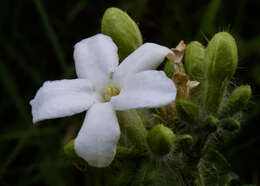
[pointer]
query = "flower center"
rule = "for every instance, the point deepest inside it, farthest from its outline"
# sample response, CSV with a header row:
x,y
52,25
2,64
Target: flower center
x,y
110,90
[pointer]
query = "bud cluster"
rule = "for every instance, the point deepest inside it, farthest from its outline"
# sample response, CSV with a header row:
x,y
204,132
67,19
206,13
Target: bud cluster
x,y
180,138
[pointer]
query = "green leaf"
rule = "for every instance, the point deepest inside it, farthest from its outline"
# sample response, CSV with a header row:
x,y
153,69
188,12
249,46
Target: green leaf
x,y
214,170
52,35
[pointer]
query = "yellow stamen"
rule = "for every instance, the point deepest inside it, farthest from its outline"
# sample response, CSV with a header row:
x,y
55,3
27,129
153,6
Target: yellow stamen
x,y
110,91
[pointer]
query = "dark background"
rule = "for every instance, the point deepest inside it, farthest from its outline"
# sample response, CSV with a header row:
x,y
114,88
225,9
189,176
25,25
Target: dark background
x,y
36,44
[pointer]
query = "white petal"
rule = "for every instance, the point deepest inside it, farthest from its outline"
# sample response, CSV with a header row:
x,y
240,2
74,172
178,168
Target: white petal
x,y
97,139
95,58
61,98
146,89
147,57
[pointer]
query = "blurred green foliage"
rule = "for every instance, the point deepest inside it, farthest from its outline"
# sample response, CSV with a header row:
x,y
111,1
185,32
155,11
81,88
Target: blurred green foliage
x,y
36,41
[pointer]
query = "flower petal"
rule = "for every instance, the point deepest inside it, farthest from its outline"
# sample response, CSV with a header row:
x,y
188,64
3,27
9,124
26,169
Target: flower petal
x,y
145,90
147,57
97,139
61,98
95,58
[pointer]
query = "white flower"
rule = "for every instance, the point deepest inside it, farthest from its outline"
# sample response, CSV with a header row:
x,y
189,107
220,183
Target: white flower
x,y
102,87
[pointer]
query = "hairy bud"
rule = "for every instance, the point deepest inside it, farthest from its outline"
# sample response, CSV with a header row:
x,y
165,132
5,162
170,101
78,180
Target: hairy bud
x,y
231,124
123,30
221,57
187,111
160,139
183,142
194,60
237,100
211,123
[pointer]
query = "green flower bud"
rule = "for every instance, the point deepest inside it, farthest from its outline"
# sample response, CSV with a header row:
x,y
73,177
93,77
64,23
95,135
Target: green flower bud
x,y
123,30
76,160
160,139
221,57
184,142
231,124
181,67
187,111
211,123
131,123
169,68
237,100
194,61
221,54
145,115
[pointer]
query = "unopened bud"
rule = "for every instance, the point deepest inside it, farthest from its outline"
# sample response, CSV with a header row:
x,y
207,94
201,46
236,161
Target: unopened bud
x,y
183,142
194,61
211,123
132,124
123,30
237,100
221,56
187,111
169,68
231,124
160,139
